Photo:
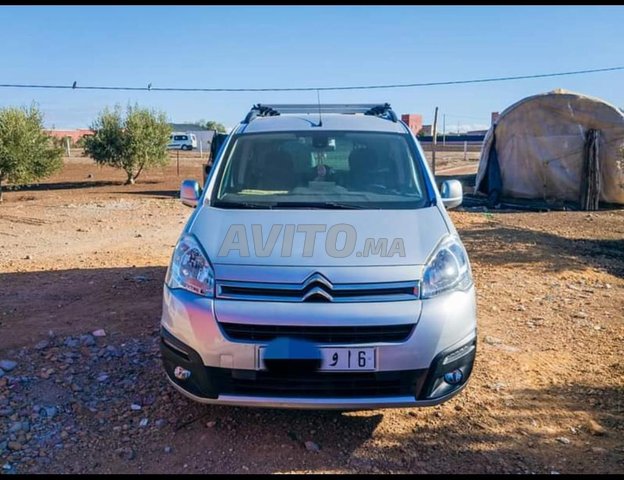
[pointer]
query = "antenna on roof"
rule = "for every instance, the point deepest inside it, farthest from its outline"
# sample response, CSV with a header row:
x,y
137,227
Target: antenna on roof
x,y
318,98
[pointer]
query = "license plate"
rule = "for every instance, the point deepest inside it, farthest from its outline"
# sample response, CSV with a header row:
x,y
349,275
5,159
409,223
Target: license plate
x,y
342,359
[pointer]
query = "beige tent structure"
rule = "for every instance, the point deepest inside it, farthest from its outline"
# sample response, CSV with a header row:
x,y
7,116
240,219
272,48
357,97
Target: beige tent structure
x,y
556,146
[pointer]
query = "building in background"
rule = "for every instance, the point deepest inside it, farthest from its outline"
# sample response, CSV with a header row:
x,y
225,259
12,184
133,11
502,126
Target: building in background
x,y
74,135
413,121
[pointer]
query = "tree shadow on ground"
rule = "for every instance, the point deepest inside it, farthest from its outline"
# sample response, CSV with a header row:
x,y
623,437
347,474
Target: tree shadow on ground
x,y
152,193
125,300
36,187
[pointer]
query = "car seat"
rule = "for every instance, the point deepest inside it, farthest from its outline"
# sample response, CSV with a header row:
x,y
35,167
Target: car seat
x,y
277,171
362,168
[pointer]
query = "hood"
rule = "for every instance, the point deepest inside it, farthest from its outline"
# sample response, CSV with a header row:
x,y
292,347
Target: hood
x,y
317,238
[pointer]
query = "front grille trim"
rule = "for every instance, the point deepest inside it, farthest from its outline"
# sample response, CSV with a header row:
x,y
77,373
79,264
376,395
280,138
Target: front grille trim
x,y
317,288
324,384
344,335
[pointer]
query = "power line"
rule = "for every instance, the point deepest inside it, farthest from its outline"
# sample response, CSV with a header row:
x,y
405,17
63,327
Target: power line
x,y
149,87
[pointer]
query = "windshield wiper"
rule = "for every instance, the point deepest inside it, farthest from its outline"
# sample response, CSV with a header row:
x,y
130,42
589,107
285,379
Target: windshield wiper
x,y
325,205
270,206
248,205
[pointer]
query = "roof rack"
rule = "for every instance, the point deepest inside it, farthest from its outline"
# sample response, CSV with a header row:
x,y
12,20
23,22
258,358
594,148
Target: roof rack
x,y
378,110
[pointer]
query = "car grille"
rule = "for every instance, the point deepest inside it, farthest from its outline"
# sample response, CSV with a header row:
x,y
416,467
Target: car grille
x,y
323,384
317,288
337,334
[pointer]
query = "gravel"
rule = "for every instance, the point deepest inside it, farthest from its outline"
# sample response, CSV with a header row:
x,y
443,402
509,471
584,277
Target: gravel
x,y
48,412
71,342
7,365
71,391
311,446
492,340
596,429
87,340
42,345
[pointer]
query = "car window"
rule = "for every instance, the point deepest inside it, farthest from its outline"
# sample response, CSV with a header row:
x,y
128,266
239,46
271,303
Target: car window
x,y
299,169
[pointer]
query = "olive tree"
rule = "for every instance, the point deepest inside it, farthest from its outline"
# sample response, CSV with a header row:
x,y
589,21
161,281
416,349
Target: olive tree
x,y
27,153
212,125
133,142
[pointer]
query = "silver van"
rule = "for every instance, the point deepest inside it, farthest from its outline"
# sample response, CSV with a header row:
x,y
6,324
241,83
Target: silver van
x,y
182,141
320,269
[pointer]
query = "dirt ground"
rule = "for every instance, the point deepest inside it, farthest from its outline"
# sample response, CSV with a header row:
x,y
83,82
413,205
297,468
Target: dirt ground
x,y
82,252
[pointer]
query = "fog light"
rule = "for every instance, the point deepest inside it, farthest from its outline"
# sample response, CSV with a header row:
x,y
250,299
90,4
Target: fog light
x,y
454,377
182,373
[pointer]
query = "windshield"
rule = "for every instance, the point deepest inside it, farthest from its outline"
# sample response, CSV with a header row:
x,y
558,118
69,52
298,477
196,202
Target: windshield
x,y
320,170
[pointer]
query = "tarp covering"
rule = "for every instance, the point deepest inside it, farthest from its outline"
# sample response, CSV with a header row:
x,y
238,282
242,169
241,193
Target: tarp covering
x,y
536,149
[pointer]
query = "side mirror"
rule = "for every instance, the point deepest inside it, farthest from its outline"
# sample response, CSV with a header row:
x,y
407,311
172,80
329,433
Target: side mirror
x,y
452,193
190,193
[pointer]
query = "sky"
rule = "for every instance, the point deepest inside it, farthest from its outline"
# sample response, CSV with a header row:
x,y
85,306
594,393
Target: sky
x,y
313,46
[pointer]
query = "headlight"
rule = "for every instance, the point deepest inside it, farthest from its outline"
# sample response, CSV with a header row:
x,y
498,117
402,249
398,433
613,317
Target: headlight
x,y
448,269
190,268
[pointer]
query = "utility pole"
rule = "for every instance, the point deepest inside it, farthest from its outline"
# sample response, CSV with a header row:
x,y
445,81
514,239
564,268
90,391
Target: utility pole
x,y
435,140
444,130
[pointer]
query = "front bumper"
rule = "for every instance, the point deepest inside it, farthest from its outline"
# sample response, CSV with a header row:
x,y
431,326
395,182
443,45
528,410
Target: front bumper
x,y
409,372
362,403
318,390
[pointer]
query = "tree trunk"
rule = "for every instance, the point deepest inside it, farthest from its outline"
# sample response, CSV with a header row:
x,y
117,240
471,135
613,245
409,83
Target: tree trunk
x,y
0,190
140,170
130,179
590,181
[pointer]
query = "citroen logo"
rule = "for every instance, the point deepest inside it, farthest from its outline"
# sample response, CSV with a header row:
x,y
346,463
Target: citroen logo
x,y
317,288
317,278
315,293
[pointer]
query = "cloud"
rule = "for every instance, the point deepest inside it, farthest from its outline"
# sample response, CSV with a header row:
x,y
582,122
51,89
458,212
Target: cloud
x,y
466,127
477,126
